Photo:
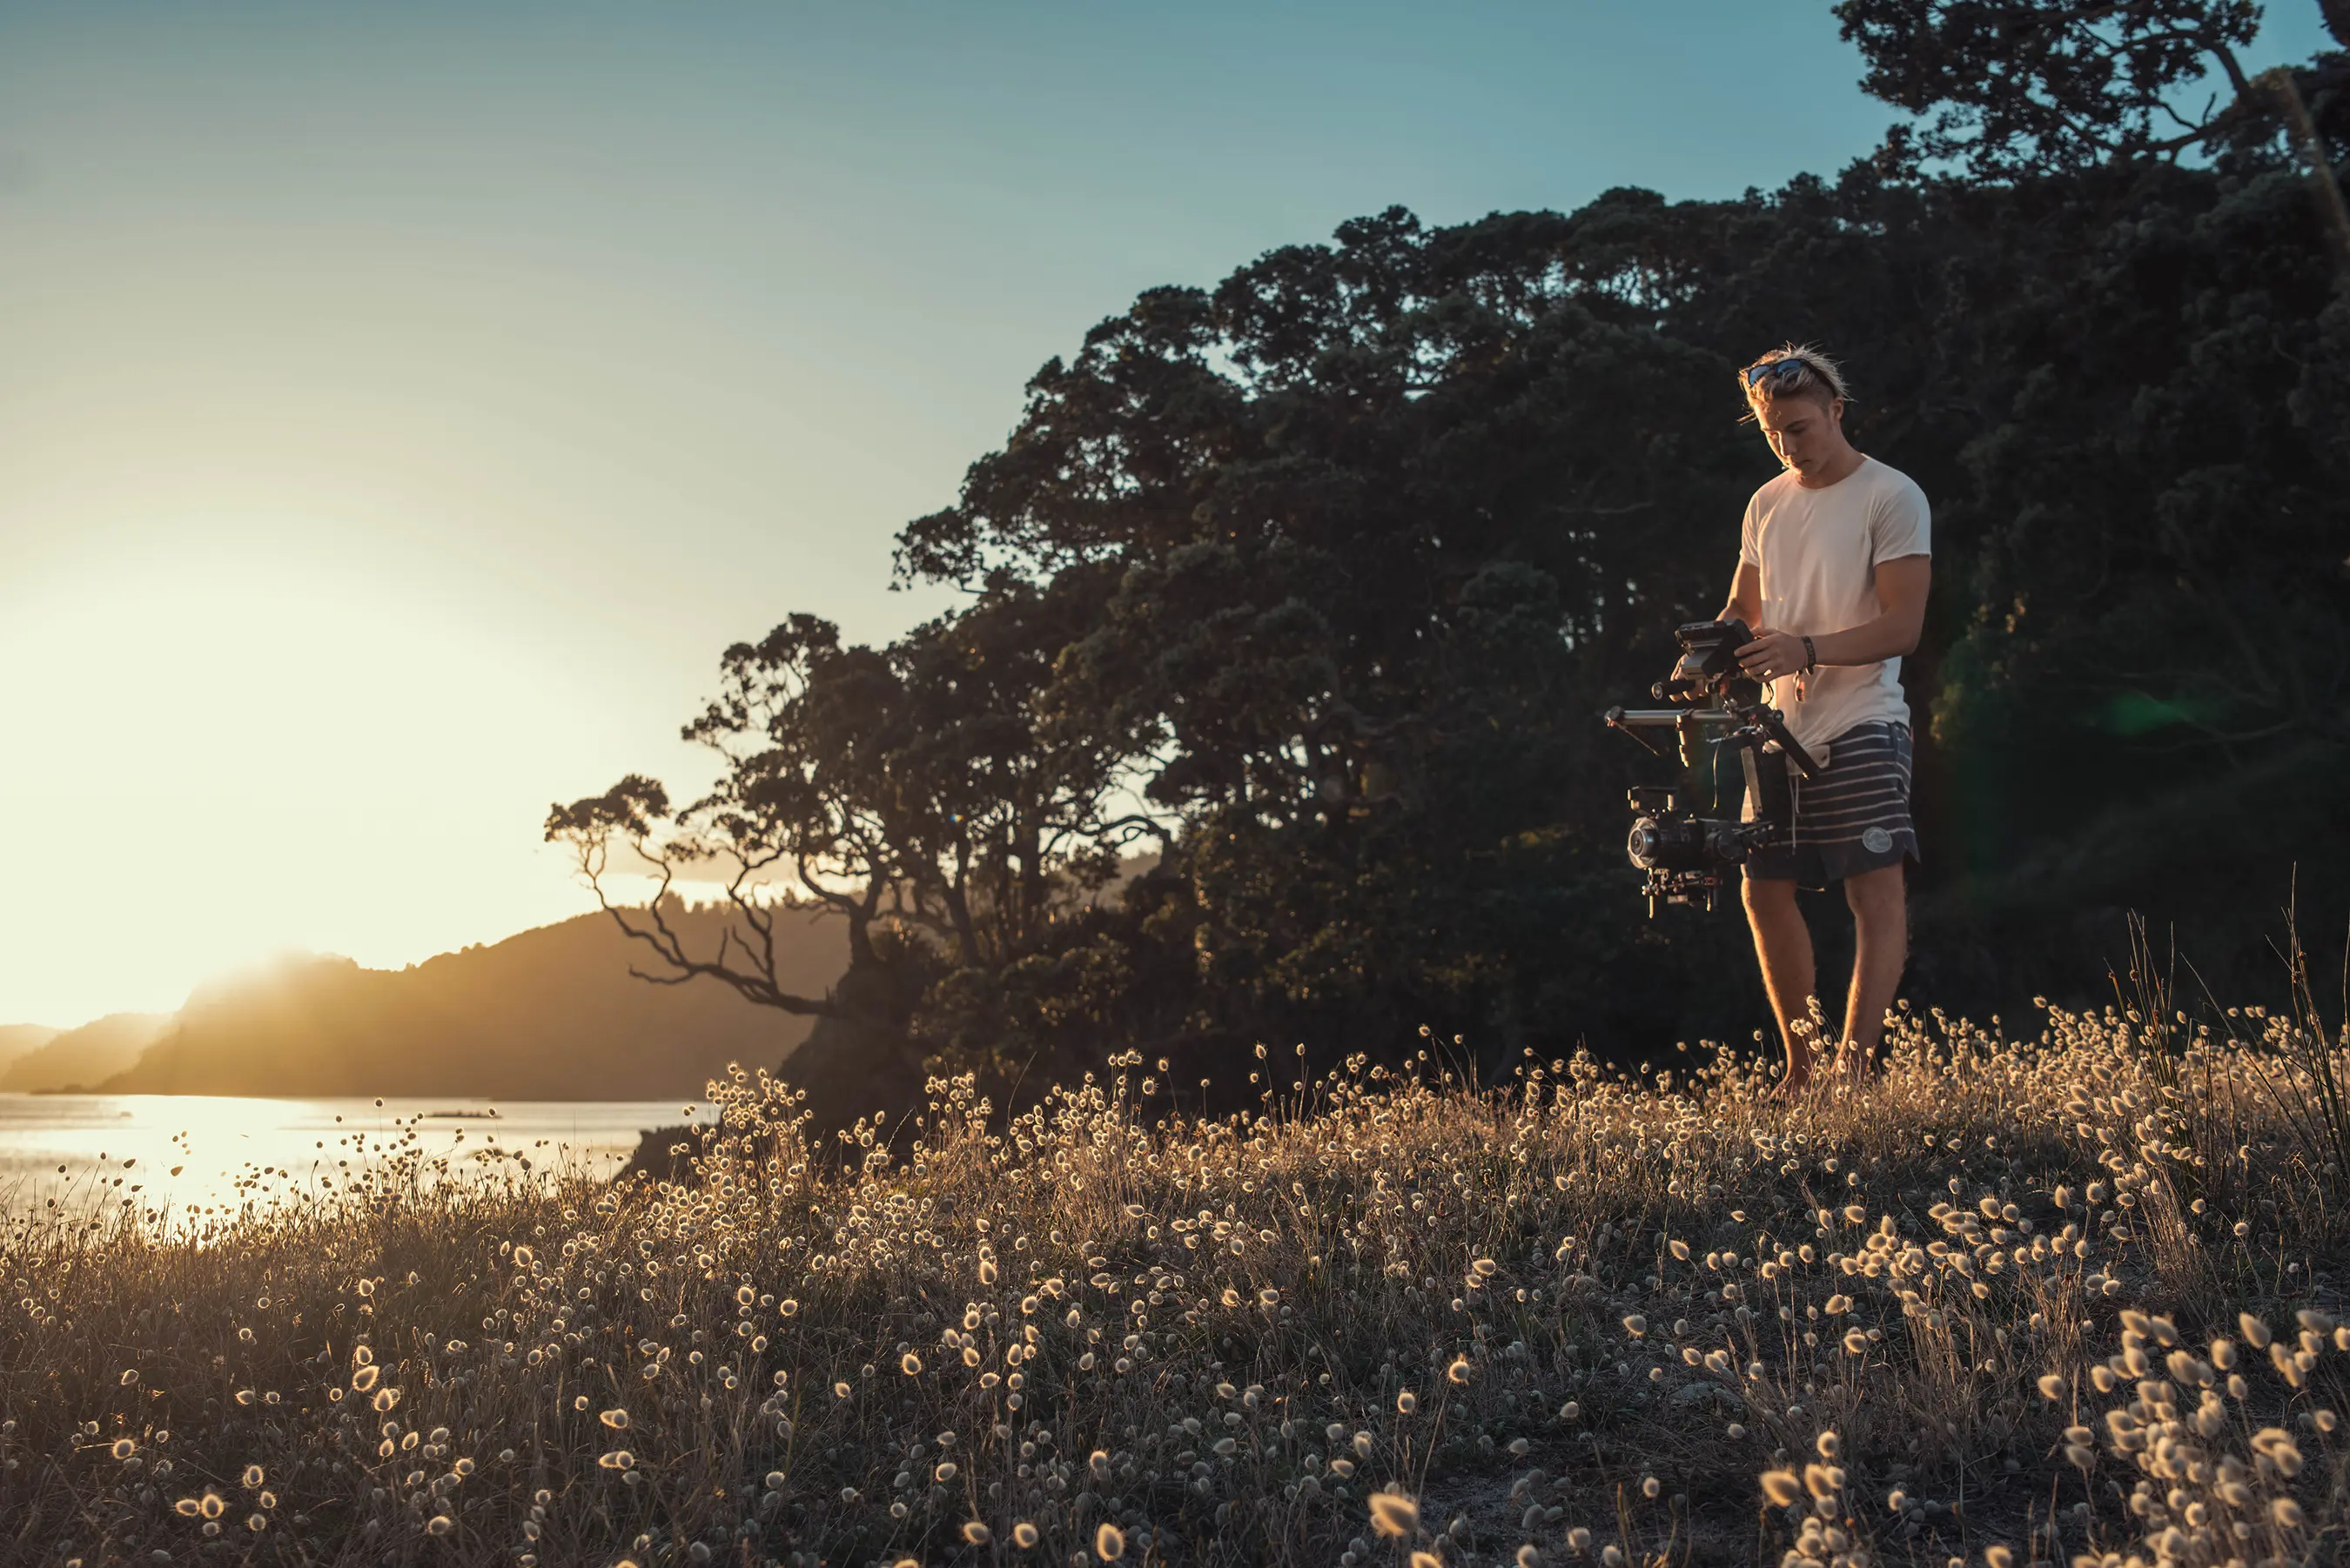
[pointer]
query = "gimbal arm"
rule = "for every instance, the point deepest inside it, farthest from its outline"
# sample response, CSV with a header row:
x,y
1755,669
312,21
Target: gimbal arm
x,y
1756,715
1769,721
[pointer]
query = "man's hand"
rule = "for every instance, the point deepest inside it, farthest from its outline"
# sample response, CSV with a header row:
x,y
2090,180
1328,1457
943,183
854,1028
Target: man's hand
x,y
1772,654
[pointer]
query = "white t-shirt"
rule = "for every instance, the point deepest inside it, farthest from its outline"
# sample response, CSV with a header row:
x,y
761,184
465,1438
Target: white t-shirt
x,y
1818,550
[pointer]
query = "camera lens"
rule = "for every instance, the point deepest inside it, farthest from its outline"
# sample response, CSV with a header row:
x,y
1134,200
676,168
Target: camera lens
x,y
1672,841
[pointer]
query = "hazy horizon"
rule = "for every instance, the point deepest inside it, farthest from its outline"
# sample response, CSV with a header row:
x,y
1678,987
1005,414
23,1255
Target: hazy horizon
x,y
407,406
273,967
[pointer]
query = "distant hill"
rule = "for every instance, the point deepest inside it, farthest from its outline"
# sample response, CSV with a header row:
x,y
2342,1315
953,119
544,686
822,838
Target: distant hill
x,y
551,1013
79,1058
16,1038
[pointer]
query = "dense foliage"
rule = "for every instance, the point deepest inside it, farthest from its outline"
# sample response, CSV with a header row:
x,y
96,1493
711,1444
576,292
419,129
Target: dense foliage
x,y
1302,595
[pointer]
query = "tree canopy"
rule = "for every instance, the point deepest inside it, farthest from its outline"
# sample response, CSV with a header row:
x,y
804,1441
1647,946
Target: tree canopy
x,y
1271,716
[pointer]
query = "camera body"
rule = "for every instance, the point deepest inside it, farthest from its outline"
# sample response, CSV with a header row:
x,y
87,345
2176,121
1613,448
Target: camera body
x,y
1687,858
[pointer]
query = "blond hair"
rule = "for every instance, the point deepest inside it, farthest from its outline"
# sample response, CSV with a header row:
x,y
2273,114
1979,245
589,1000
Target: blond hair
x,y
1819,376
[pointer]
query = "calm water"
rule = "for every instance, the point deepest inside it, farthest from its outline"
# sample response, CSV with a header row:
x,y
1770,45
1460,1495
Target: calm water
x,y
290,1145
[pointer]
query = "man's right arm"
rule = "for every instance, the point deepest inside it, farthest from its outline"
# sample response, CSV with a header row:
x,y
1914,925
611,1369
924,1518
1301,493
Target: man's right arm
x,y
1745,596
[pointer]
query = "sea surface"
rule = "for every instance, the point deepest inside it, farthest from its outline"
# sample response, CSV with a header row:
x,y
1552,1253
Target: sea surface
x,y
186,1153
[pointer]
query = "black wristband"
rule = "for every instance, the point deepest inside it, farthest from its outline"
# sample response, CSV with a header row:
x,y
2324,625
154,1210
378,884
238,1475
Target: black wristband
x,y
1811,657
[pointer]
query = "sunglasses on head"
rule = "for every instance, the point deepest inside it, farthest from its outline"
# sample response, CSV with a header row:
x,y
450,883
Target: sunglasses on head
x,y
1787,371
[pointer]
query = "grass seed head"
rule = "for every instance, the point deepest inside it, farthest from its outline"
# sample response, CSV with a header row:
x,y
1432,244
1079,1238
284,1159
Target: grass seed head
x,y
1394,1514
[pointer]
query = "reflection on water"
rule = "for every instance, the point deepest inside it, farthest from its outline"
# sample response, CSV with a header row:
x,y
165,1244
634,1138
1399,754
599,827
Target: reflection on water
x,y
186,1153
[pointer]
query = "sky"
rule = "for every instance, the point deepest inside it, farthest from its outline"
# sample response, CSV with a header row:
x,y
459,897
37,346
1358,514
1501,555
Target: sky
x,y
402,407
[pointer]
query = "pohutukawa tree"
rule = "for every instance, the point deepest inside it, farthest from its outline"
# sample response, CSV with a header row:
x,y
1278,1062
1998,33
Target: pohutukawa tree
x,y
924,792
2018,86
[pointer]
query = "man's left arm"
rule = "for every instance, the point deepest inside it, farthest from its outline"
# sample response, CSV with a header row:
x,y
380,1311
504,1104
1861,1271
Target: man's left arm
x,y
1901,587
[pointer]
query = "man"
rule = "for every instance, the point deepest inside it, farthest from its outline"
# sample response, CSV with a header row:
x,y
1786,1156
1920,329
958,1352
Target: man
x,y
1833,570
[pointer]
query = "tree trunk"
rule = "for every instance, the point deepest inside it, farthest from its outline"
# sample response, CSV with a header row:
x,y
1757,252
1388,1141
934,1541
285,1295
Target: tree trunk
x,y
2332,216
957,897
860,926
859,1060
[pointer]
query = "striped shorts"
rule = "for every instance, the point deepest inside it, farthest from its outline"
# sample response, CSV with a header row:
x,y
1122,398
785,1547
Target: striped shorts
x,y
1853,816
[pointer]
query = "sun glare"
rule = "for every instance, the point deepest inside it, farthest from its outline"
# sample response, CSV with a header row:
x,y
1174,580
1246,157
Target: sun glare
x,y
221,760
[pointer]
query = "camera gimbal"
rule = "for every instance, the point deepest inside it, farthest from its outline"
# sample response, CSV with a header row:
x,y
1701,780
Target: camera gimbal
x,y
1685,856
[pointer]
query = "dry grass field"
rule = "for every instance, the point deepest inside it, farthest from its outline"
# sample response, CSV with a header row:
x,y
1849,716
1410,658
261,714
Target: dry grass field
x,y
2061,1293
